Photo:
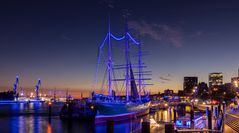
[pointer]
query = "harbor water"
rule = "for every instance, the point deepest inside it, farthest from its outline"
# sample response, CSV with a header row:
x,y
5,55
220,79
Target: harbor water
x,y
33,118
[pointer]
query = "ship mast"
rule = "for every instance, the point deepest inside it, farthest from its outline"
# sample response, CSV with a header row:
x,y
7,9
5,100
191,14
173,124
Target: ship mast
x,y
109,61
140,64
127,61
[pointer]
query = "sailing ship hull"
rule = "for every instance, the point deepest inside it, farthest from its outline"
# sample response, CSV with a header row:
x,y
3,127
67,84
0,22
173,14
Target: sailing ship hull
x,y
114,108
99,119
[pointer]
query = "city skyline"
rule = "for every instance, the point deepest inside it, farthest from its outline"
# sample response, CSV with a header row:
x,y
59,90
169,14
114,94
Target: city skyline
x,y
58,42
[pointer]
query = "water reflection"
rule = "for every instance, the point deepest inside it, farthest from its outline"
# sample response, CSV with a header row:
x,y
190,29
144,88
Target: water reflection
x,y
39,124
49,128
162,115
11,109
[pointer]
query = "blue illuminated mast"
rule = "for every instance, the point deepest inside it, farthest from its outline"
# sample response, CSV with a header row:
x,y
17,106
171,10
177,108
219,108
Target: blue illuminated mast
x,y
109,68
127,38
15,86
37,89
140,69
127,61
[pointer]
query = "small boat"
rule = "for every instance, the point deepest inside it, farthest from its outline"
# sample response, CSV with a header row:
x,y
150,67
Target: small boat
x,y
78,110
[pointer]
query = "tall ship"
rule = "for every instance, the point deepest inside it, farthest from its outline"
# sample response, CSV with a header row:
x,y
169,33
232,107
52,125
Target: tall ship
x,y
126,91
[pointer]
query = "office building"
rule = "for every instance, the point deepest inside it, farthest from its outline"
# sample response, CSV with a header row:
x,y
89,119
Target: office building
x,y
189,84
215,79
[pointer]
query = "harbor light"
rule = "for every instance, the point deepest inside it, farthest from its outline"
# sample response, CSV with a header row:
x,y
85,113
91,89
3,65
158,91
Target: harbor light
x,y
31,94
92,107
236,83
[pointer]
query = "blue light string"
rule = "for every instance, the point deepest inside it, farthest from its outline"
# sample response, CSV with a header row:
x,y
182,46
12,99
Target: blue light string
x,y
135,42
117,38
103,43
98,60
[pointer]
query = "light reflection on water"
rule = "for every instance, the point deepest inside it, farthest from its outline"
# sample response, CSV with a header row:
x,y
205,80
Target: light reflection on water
x,y
28,108
163,115
41,124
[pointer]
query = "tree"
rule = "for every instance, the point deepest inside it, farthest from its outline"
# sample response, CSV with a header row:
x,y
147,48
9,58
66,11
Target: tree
x,y
223,93
203,92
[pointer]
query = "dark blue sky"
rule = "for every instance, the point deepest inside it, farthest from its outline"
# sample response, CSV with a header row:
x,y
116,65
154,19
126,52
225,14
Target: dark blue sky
x,y
57,41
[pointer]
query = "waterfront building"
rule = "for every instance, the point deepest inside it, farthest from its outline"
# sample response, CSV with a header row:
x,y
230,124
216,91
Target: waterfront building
x,y
189,85
168,92
235,82
215,79
169,95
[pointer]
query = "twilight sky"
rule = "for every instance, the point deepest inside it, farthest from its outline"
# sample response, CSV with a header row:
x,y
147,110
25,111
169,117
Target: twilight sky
x,y
57,41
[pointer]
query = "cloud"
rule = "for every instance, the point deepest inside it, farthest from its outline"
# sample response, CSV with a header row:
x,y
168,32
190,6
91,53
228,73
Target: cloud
x,y
158,32
164,79
108,3
64,36
197,33
126,13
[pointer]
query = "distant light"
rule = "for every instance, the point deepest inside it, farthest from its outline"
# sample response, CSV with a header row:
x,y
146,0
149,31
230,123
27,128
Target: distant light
x,y
92,107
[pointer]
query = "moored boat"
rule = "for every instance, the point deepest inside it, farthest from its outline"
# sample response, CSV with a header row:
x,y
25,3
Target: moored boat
x,y
78,110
